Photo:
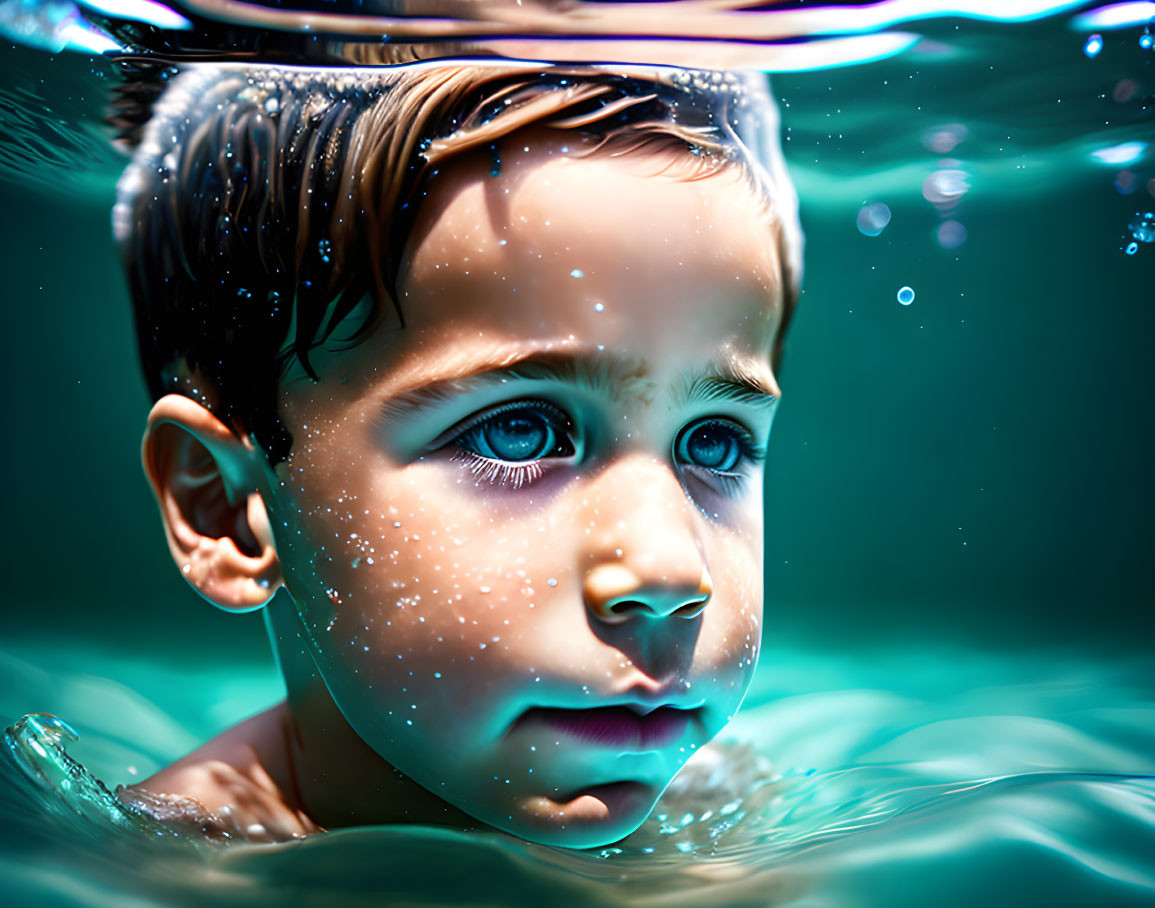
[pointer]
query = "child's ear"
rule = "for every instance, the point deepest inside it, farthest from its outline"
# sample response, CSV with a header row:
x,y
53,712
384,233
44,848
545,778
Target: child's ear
x,y
207,479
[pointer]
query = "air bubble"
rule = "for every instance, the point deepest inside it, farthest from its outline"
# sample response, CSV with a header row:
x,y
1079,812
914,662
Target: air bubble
x,y
1123,153
1143,227
945,187
872,219
951,234
1092,46
906,296
1132,248
943,139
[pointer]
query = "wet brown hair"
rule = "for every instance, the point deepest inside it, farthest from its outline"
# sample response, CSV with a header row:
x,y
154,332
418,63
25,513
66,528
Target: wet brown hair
x,y
265,204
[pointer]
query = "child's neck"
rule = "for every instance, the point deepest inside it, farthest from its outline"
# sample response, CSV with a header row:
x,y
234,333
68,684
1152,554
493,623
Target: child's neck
x,y
329,772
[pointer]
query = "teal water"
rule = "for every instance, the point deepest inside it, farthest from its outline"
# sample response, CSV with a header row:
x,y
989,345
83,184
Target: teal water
x,y
850,778
956,698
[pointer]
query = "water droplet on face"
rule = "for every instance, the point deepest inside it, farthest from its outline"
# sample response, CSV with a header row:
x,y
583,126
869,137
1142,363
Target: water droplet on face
x,y
1092,46
599,307
552,582
577,272
906,296
872,219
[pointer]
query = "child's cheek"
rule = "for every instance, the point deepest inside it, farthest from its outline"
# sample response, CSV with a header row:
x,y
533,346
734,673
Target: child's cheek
x,y
732,630
416,588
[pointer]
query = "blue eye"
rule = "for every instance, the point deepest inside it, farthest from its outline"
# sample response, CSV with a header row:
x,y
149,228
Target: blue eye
x,y
520,432
713,444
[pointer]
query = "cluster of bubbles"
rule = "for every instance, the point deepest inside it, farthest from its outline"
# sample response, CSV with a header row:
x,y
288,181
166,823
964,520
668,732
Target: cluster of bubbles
x,y
947,185
1142,230
944,188
1093,46
1125,90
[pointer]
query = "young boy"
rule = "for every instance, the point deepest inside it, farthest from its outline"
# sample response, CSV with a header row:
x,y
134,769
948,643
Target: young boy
x,y
476,363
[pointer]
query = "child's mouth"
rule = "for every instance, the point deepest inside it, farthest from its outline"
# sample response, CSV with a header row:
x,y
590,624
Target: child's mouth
x,y
615,726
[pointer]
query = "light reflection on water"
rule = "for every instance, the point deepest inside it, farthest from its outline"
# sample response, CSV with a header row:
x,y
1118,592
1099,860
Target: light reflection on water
x,y
887,778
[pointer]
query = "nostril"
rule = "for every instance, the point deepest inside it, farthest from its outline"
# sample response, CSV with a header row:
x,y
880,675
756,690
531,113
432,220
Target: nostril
x,y
691,609
624,608
628,607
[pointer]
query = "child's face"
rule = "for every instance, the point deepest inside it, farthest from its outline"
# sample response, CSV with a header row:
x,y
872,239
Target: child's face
x,y
500,522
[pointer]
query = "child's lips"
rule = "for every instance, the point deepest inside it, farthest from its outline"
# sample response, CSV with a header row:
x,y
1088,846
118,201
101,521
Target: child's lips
x,y
615,726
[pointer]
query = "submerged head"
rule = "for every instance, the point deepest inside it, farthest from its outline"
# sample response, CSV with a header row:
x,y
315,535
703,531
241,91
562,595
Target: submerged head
x,y
478,364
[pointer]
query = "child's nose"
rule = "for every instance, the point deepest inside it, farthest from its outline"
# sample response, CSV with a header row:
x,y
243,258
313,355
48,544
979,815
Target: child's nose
x,y
614,593
645,558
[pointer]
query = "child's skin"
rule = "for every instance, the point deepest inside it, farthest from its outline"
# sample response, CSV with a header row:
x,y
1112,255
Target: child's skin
x,y
441,595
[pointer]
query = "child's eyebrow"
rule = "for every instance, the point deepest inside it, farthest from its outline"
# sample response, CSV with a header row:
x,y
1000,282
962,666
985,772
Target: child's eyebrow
x,y
733,378
738,388
604,372
600,372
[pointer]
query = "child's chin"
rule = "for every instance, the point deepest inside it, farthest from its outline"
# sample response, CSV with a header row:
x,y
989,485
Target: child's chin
x,y
592,817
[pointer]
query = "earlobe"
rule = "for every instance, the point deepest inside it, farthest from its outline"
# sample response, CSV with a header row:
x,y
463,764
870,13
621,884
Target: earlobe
x,y
207,482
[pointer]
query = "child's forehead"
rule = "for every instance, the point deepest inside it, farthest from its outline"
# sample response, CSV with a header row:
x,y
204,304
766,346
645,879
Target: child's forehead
x,y
547,173
585,269
544,217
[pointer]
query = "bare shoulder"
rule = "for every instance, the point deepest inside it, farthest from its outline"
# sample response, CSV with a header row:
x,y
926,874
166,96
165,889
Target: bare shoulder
x,y
238,785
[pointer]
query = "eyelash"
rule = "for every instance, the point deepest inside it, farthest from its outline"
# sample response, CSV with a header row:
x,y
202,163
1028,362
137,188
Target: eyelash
x,y
731,482
502,473
499,472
